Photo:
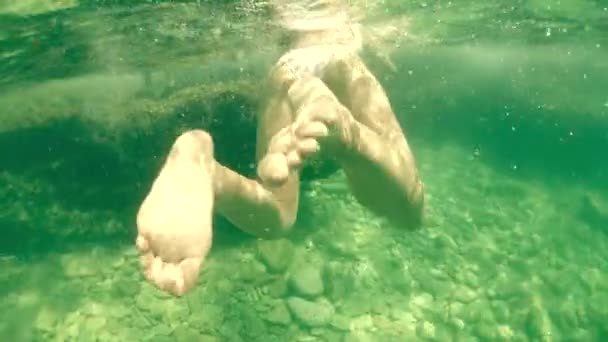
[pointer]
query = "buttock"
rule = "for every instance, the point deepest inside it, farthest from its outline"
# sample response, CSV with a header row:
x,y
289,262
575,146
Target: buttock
x,y
313,60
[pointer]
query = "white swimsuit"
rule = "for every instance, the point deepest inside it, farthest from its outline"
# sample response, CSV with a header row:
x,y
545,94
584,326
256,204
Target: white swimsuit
x,y
311,60
312,15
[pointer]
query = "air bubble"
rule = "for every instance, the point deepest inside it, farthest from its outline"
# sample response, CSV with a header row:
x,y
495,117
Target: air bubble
x,y
476,152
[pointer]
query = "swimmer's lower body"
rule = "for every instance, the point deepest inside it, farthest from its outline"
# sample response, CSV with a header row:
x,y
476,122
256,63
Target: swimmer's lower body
x,y
347,113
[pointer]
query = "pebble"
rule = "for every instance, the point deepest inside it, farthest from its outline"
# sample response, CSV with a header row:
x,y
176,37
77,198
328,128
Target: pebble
x,y
435,287
79,266
340,322
277,255
252,271
504,332
345,249
277,287
207,317
464,294
176,312
425,329
535,322
478,311
278,314
363,322
457,323
579,334
420,302
339,282
147,302
95,323
358,304
185,334
485,331
307,281
500,310
46,320
253,326
358,336
127,288
471,279
309,313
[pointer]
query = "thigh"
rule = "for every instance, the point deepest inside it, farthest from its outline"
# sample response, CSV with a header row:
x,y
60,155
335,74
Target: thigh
x,y
275,115
276,112
361,92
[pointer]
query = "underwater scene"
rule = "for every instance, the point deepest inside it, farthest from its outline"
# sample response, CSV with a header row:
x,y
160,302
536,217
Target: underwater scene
x,y
504,105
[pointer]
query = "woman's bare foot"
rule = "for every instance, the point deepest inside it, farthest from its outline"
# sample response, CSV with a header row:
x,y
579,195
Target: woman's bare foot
x,y
320,120
175,220
287,151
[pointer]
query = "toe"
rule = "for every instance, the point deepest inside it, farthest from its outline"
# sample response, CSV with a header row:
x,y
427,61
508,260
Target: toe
x,y
165,276
189,269
305,89
176,278
294,160
273,169
281,142
142,244
146,260
313,129
307,147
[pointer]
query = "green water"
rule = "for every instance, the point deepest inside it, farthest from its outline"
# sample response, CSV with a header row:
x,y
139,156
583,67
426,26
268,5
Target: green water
x,y
505,106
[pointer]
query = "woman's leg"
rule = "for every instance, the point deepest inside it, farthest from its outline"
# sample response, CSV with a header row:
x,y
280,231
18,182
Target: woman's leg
x,y
381,171
361,131
175,219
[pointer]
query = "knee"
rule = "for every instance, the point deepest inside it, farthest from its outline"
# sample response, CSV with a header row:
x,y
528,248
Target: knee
x,y
415,215
278,230
192,144
277,233
283,225
282,76
194,139
310,90
277,224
